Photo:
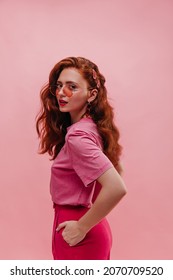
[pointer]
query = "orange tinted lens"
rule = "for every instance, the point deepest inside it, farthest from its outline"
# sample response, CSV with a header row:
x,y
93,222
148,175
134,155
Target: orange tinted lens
x,y
67,92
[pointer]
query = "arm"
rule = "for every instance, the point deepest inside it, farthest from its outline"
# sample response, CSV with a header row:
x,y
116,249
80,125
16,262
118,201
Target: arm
x,y
113,189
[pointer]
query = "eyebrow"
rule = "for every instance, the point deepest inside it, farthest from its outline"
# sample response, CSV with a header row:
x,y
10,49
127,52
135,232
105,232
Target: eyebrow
x,y
67,82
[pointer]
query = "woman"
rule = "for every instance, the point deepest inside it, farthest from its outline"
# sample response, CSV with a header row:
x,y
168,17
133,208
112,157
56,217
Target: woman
x,y
76,128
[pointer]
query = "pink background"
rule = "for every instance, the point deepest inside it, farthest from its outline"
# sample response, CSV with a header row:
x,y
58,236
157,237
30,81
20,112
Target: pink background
x,y
132,43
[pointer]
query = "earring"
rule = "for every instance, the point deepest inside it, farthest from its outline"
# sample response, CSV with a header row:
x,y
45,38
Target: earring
x,y
87,112
88,108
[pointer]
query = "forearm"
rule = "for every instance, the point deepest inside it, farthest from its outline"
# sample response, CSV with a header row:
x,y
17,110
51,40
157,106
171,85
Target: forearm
x,y
111,193
113,189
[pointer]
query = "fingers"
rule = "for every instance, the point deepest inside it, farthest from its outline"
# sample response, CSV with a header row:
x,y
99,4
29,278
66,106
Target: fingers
x,y
70,232
60,226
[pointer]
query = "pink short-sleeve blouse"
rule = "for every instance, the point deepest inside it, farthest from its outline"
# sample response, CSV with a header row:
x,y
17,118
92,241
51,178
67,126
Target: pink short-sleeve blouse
x,y
78,165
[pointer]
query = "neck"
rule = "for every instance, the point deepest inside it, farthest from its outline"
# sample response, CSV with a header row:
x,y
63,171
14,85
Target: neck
x,y
84,115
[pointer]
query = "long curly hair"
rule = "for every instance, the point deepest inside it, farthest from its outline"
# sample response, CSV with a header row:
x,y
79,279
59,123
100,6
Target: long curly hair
x,y
51,124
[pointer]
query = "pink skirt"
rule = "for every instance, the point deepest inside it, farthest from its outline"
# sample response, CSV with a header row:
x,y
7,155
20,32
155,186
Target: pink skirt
x,y
95,246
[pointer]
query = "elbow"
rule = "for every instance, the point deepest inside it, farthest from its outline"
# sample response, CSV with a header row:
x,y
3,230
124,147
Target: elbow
x,y
122,191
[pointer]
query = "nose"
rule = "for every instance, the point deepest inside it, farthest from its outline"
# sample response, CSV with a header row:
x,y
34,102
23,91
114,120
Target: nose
x,y
65,91
61,91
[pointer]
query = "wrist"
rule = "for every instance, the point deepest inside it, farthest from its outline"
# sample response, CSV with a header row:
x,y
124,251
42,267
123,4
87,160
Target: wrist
x,y
84,227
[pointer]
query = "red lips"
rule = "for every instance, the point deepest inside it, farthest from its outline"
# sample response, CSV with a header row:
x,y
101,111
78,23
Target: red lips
x,y
62,102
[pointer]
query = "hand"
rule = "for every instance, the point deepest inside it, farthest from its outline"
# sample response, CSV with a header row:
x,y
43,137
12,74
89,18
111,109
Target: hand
x,y
72,232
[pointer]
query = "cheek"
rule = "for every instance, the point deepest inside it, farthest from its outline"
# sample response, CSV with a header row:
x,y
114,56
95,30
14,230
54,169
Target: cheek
x,y
68,92
78,100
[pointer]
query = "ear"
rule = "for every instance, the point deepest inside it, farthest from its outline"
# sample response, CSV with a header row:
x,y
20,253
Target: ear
x,y
92,95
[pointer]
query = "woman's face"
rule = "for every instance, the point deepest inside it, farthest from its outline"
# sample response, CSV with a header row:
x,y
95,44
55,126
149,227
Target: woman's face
x,y
72,93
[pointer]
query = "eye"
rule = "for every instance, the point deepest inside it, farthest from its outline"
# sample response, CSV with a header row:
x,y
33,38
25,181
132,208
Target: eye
x,y
58,86
72,87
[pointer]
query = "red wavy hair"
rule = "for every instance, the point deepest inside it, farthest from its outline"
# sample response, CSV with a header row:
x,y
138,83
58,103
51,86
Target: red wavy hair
x,y
51,124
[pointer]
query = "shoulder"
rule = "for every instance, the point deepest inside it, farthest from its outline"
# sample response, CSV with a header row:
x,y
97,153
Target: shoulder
x,y
84,131
85,126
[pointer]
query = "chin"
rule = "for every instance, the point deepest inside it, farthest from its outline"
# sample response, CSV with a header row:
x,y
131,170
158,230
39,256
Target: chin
x,y
63,110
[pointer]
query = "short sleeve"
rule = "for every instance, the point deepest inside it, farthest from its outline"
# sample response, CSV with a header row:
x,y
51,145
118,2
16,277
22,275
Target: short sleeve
x,y
87,157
